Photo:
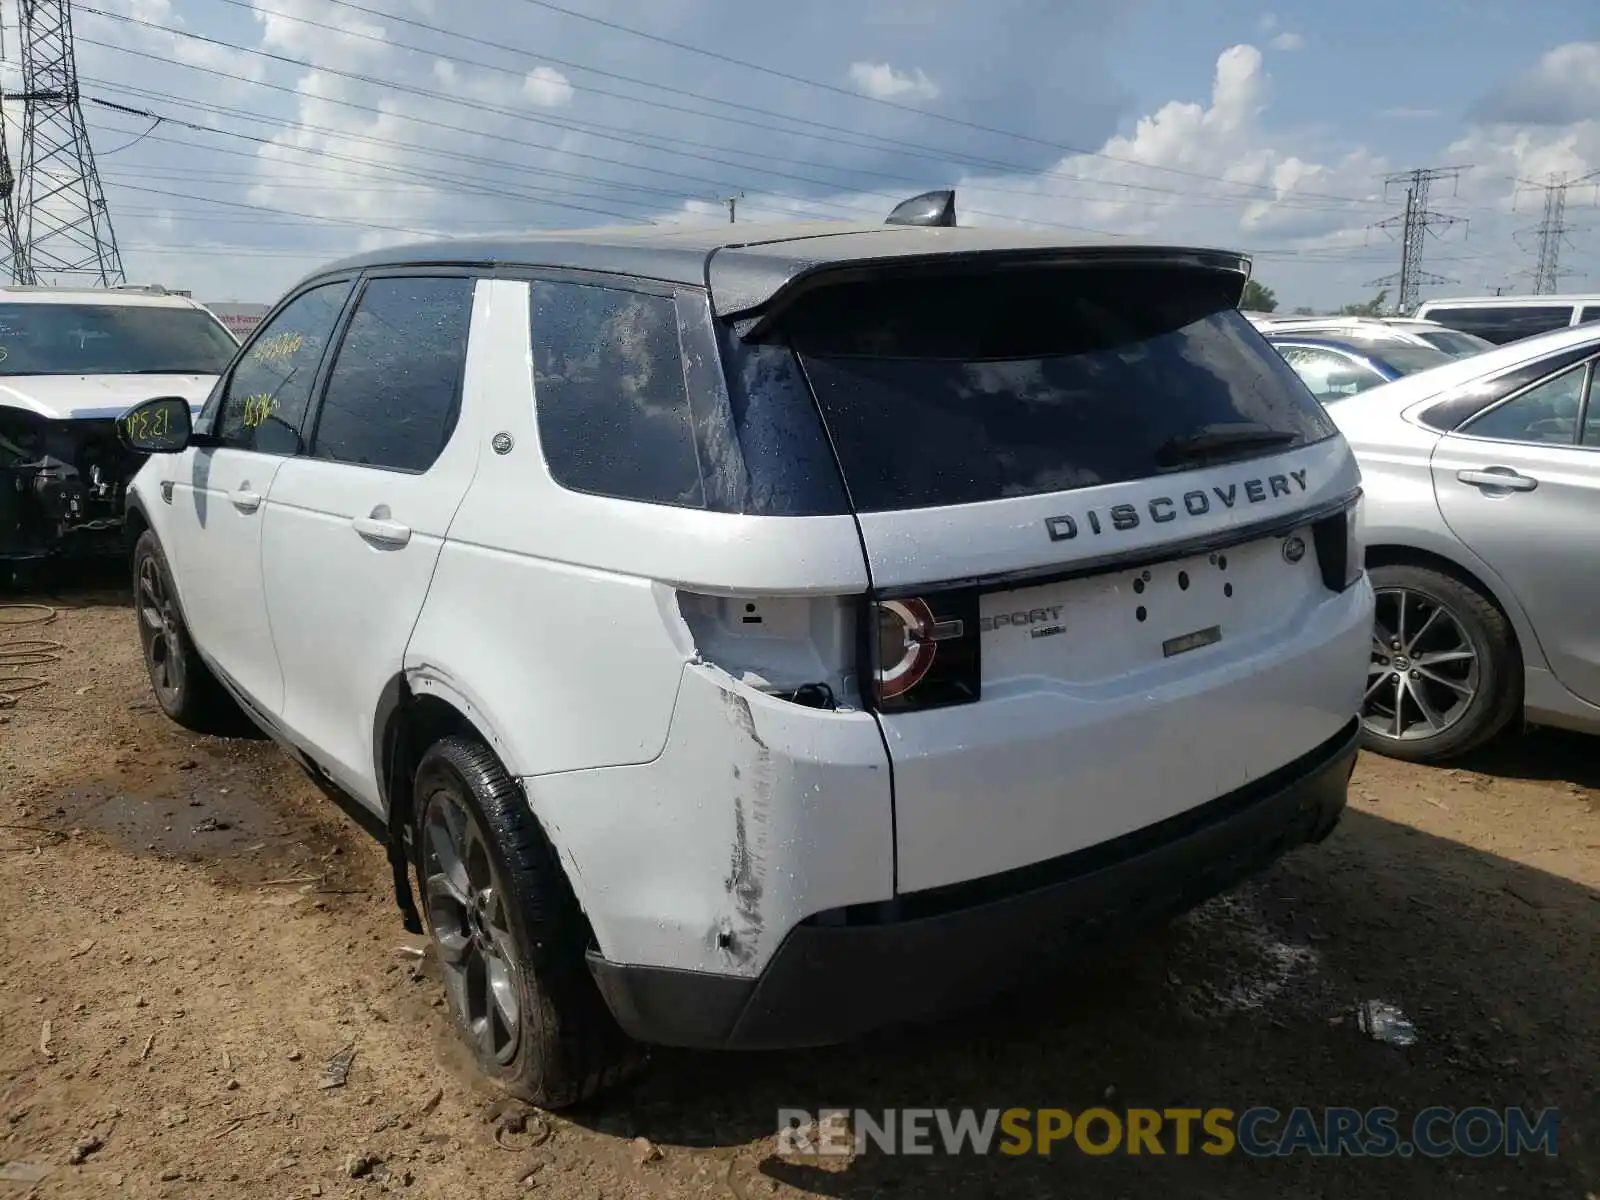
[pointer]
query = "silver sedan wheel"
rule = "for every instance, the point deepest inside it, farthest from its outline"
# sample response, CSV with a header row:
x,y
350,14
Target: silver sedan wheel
x,y
466,905
1424,671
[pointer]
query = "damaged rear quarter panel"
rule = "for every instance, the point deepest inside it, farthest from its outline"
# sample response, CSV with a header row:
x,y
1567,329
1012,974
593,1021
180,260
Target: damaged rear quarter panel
x,y
757,814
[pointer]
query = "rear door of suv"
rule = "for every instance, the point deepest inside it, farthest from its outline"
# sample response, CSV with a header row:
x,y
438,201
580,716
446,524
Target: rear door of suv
x,y
1089,498
354,526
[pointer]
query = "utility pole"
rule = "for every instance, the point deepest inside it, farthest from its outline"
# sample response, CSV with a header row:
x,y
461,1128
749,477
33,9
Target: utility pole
x,y
1415,223
13,260
733,203
65,228
1552,230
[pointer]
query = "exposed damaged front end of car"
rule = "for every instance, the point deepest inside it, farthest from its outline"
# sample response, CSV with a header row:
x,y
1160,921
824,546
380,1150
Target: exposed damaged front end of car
x,y
62,484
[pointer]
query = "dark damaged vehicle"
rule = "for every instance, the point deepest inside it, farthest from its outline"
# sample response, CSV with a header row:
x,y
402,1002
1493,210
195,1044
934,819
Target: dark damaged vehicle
x,y
752,636
73,360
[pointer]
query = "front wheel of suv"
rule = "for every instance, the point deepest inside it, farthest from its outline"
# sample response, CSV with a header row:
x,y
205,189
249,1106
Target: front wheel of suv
x,y
184,686
509,934
1445,674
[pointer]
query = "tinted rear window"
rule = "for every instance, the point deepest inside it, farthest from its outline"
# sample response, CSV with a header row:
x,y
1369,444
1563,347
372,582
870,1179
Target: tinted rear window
x,y
1504,323
962,389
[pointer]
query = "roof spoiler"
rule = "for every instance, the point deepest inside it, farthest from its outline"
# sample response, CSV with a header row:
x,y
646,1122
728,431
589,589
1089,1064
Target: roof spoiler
x,y
930,208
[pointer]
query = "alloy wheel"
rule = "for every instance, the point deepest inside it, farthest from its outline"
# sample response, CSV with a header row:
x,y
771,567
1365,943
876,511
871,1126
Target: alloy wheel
x,y
466,905
1424,671
160,625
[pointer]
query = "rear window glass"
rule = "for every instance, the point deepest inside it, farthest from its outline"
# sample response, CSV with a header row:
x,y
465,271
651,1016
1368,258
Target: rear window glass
x,y
1504,323
962,389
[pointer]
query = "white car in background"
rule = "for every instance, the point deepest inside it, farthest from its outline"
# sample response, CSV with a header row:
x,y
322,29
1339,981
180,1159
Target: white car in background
x,y
1503,319
1482,480
73,360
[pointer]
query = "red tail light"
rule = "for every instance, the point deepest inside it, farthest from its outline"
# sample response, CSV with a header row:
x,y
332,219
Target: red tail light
x,y
924,651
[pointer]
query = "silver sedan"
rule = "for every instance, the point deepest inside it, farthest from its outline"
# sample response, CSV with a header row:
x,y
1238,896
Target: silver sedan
x,y
1482,521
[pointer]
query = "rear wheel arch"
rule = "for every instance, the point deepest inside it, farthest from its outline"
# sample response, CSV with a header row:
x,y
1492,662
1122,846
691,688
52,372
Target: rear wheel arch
x,y
409,720
1396,555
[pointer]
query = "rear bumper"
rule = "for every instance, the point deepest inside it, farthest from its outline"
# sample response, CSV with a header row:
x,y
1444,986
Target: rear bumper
x,y
849,971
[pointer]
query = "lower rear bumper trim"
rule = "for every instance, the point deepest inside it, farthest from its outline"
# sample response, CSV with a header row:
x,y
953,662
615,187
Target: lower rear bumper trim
x,y
945,950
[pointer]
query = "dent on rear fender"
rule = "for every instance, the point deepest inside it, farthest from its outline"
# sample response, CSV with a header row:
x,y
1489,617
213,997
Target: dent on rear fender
x,y
757,814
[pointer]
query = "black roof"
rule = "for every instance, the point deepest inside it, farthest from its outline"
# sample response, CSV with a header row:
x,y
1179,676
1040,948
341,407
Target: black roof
x,y
744,265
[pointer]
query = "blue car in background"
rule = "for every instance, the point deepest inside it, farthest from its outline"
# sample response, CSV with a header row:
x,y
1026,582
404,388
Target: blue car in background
x,y
1335,366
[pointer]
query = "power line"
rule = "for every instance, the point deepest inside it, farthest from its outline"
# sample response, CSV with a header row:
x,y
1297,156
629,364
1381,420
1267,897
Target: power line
x,y
568,126
611,133
1553,229
476,105
908,108
824,132
530,195
1415,223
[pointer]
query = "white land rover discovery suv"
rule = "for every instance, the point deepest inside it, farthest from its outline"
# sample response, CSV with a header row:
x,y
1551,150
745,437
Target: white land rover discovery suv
x,y
751,636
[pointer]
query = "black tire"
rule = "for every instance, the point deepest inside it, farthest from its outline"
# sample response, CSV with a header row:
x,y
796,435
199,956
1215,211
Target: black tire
x,y
184,686
1495,676
568,1046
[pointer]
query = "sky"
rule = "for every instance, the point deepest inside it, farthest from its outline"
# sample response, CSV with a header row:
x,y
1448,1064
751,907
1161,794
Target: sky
x,y
295,132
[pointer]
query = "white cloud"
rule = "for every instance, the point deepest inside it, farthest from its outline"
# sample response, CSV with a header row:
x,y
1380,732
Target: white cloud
x,y
1562,88
1288,40
547,87
885,83
1268,22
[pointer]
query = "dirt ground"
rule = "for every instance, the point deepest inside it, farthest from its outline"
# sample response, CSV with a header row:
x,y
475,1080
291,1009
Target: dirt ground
x,y
190,932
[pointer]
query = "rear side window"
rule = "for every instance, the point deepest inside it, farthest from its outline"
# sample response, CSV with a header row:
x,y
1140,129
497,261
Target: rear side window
x,y
958,389
640,396
1545,413
1504,323
1591,312
395,389
612,403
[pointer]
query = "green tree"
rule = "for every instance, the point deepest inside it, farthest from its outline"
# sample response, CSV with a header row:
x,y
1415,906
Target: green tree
x,y
1371,308
1304,312
1258,298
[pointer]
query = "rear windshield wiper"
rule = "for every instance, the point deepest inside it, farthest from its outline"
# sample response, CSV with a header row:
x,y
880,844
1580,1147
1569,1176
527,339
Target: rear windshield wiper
x,y
1212,440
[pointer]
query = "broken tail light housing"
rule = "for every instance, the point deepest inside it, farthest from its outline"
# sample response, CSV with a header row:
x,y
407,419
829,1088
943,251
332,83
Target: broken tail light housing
x,y
924,651
1341,548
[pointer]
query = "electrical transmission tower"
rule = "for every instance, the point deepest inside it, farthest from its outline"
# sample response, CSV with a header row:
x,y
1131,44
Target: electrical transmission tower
x,y
65,232
1552,231
1415,223
10,240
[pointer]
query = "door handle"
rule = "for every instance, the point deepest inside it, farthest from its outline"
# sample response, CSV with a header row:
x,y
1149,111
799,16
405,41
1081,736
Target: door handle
x,y
382,530
245,500
1499,477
